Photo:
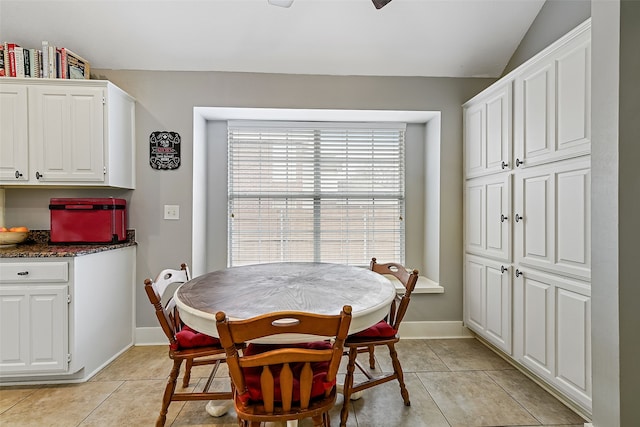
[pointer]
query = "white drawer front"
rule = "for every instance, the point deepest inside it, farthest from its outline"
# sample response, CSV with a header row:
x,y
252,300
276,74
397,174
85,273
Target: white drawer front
x,y
30,272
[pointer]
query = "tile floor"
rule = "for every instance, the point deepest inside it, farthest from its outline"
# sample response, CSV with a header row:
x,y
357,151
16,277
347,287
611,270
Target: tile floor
x,y
452,382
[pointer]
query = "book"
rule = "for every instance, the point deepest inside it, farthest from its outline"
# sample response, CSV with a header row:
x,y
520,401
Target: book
x,y
11,54
62,63
48,60
45,59
2,71
26,62
35,55
77,66
18,53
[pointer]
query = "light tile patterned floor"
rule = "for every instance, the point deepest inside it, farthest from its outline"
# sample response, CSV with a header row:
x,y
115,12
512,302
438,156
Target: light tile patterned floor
x,y
454,382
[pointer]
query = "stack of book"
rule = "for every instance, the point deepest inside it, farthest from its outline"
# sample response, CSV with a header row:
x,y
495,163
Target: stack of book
x,y
49,62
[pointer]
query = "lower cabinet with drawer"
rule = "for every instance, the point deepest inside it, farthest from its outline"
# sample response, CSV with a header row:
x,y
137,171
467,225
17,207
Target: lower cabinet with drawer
x,y
63,319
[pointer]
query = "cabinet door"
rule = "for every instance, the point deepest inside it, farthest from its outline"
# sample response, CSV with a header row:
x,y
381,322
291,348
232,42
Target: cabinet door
x,y
488,300
474,139
552,320
487,124
14,160
488,216
67,133
552,101
33,329
552,215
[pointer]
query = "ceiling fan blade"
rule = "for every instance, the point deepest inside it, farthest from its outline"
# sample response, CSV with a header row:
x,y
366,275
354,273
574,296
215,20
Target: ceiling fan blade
x,y
379,4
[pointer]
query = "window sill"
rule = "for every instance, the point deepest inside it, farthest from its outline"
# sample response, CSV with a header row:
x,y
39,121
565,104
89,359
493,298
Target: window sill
x,y
424,286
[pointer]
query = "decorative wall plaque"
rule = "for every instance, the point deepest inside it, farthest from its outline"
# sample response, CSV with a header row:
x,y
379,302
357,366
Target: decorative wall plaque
x,y
164,150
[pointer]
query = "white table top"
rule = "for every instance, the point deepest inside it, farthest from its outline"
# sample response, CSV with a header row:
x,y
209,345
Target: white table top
x,y
248,291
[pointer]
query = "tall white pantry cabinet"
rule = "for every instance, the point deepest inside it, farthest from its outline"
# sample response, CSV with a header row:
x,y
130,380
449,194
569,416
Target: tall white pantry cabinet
x,y
527,239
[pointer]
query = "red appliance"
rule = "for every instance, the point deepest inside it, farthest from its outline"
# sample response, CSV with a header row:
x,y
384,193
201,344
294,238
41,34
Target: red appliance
x,y
99,220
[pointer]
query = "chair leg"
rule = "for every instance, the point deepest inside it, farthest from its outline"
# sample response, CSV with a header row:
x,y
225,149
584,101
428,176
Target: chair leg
x,y
187,373
372,359
398,371
318,420
168,393
348,384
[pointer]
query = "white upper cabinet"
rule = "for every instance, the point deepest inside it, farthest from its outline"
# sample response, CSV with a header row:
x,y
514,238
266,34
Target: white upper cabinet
x,y
66,132
552,99
487,132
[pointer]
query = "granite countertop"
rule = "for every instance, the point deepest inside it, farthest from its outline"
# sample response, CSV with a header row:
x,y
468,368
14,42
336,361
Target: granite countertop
x,y
37,246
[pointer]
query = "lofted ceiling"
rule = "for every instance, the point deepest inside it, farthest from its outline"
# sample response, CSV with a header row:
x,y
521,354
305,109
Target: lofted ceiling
x,y
444,38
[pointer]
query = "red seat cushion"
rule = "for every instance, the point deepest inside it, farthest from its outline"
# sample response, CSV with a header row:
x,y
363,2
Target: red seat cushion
x,y
252,375
380,330
188,338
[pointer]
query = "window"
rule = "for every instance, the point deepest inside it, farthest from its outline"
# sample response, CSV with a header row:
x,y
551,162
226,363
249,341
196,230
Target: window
x,y
323,192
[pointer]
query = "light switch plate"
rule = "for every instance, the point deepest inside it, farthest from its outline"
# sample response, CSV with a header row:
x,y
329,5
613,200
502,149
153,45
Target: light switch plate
x,y
171,211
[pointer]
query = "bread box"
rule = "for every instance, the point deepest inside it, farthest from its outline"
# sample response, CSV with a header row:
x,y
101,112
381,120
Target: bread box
x,y
88,220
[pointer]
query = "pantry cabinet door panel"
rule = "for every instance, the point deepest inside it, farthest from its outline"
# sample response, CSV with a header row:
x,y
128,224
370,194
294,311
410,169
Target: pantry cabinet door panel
x,y
538,326
498,310
573,235
533,225
535,115
498,214
475,217
474,137
574,340
498,122
573,71
474,295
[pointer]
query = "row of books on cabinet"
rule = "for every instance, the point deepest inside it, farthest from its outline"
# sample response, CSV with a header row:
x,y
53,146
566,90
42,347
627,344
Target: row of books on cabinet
x,y
50,62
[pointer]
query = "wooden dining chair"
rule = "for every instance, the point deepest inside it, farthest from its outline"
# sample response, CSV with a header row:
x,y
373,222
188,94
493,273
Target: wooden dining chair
x,y
384,333
282,382
185,344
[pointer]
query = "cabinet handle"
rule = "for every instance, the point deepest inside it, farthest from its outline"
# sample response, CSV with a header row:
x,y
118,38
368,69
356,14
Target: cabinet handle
x,y
519,273
38,176
23,273
503,218
18,174
503,269
504,165
518,218
519,162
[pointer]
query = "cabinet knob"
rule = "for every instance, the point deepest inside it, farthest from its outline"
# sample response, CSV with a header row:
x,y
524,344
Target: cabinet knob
x,y
519,162
503,218
18,174
503,269
23,273
518,218
519,273
38,175
505,165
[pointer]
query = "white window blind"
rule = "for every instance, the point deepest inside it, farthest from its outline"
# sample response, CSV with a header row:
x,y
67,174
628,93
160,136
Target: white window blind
x,y
323,192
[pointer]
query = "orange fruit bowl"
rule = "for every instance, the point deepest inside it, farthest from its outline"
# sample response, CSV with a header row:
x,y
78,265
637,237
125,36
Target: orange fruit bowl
x,y
12,237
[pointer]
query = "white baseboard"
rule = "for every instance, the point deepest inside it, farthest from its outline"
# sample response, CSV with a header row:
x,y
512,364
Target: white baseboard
x,y
408,330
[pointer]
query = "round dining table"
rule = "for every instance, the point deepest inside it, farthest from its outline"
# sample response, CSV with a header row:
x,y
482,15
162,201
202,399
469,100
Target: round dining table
x,y
247,291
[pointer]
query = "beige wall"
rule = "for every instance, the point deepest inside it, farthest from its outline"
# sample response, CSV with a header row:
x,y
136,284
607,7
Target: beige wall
x,y
165,101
